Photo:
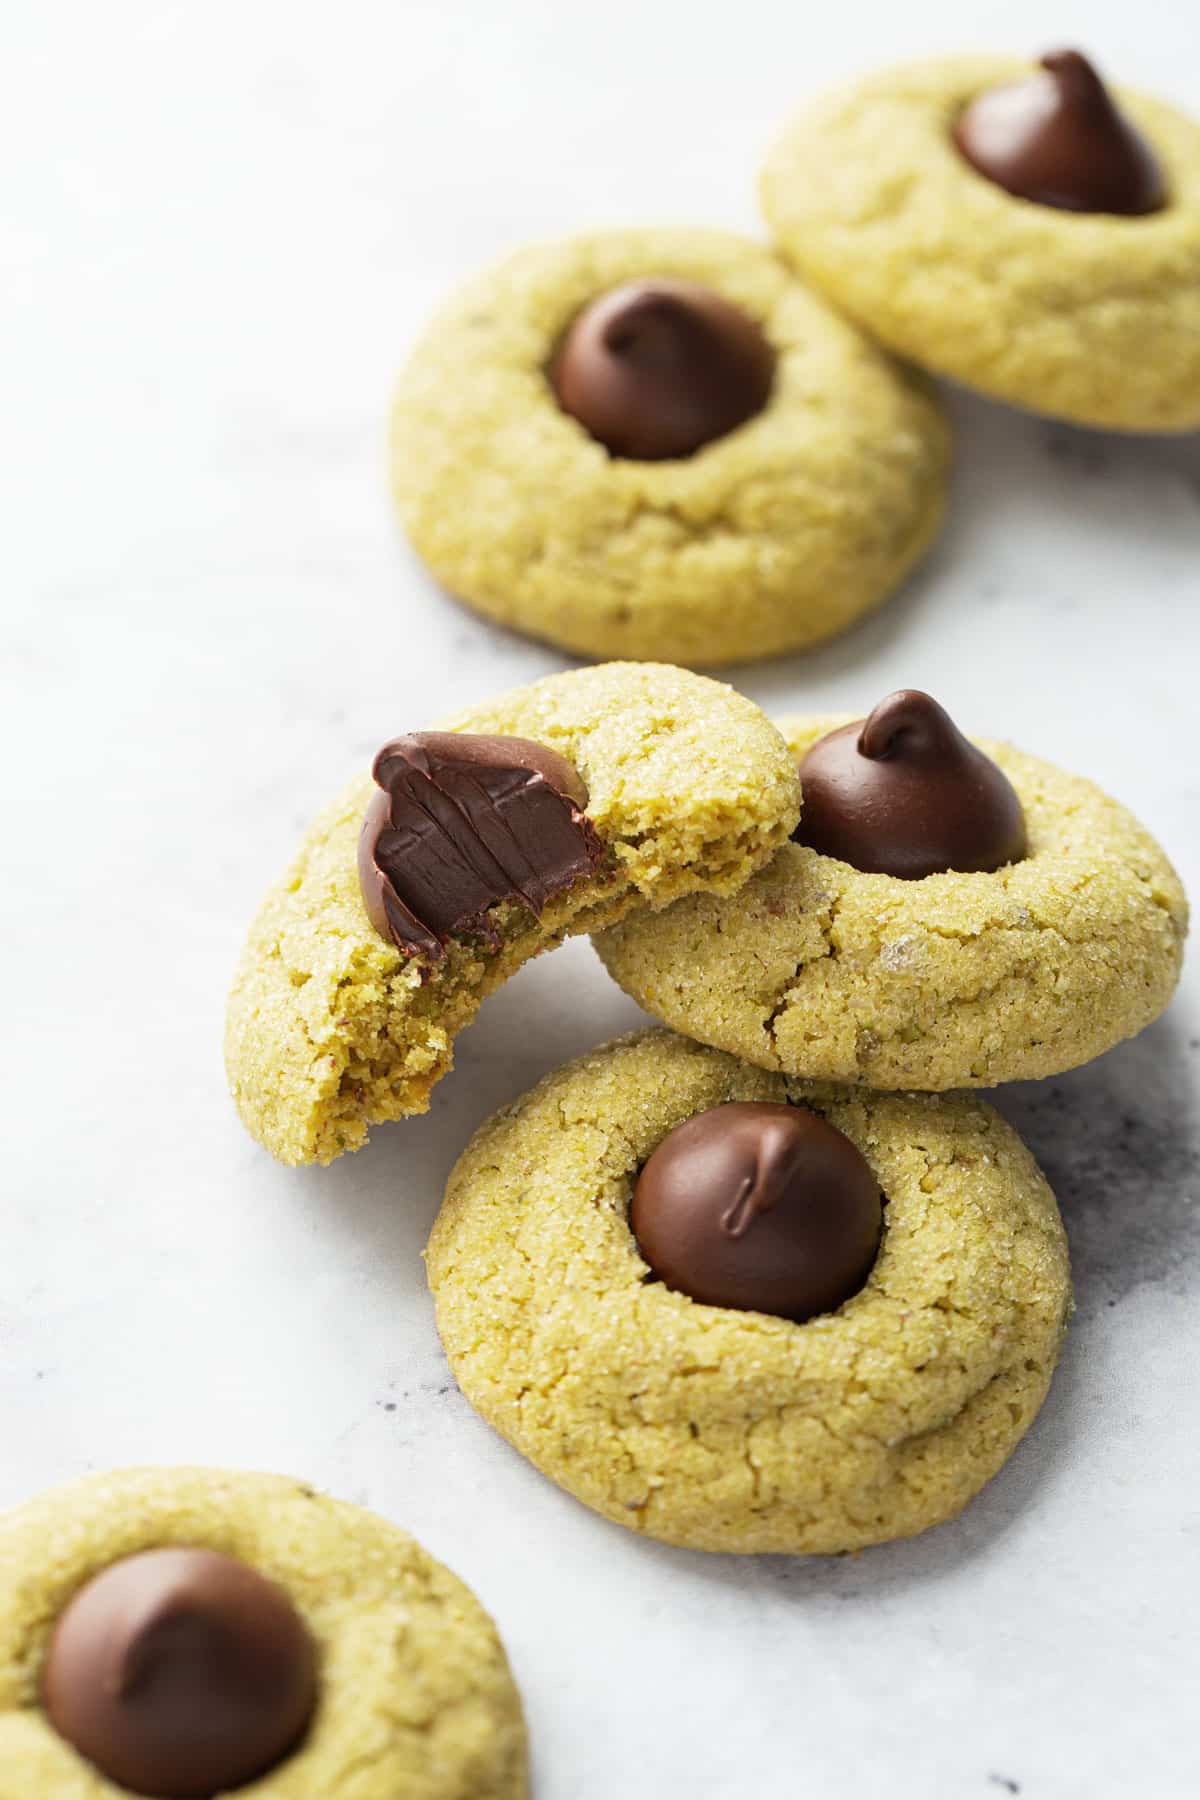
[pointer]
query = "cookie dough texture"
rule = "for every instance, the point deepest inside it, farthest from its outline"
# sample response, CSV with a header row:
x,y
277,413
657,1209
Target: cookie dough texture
x,y
766,540
724,1430
417,1702
330,1029
957,980
1086,317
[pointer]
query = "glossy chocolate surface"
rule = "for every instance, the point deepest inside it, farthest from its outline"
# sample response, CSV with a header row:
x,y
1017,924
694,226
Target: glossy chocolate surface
x,y
904,793
180,1673
655,370
461,823
759,1207
1058,138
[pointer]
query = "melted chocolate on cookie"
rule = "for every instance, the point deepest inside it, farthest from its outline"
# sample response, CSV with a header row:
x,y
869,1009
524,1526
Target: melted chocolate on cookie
x,y
462,823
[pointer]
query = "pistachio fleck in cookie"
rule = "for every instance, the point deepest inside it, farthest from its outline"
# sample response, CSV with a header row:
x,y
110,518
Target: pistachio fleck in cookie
x,y
951,917
659,444
738,1312
551,811
1014,226
189,1632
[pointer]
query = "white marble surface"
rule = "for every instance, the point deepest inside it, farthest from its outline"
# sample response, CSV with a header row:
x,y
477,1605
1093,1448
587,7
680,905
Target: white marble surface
x,y
224,225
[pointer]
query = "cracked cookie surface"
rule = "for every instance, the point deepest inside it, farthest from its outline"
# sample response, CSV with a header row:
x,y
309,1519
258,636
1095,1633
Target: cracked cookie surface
x,y
416,1698
956,980
769,539
735,1431
330,1029
1082,316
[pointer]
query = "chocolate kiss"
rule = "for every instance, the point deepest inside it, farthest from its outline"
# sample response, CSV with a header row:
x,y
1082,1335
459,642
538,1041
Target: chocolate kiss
x,y
655,370
1057,138
904,793
759,1207
181,1673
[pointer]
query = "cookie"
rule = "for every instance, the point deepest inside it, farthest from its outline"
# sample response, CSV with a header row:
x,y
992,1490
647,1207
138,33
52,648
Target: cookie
x,y
719,1428
952,979
166,1618
336,1023
1058,302
775,533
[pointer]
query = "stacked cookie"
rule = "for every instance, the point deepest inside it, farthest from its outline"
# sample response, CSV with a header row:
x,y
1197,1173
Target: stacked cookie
x,y
763,1282
418,891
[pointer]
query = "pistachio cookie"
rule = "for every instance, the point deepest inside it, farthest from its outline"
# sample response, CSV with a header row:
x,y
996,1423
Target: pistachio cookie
x,y
659,444
739,1312
951,916
188,1632
1014,226
551,811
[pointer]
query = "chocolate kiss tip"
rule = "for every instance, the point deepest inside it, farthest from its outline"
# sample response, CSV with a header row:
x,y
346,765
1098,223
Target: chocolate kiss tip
x,y
1076,75
910,715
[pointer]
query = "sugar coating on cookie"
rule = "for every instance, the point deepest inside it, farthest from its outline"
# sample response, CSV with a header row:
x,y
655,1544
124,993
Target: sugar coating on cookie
x,y
776,535
1088,317
416,1699
955,980
331,1029
735,1431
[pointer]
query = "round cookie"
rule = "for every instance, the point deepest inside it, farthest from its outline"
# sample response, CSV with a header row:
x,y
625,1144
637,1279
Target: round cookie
x,y
416,1701
954,980
332,1028
768,539
729,1430
947,981
1090,317
950,981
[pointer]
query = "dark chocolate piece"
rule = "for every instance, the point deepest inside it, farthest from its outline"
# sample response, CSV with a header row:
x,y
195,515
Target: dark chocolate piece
x,y
904,793
657,369
1058,138
180,1673
461,823
761,1208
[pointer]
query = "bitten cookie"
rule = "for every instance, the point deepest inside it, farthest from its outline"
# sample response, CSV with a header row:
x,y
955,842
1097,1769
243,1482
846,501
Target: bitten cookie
x,y
402,911
1000,971
705,1422
659,444
1011,225
192,1632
